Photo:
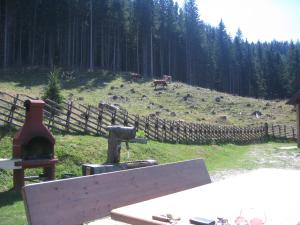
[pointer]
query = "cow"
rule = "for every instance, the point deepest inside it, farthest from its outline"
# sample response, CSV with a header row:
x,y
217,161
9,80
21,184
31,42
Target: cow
x,y
162,83
67,75
167,78
135,76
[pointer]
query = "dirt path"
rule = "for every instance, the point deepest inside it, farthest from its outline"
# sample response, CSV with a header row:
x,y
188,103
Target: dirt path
x,y
265,157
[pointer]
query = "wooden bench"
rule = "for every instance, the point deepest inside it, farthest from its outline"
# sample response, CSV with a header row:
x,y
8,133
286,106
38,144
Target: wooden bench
x,y
77,200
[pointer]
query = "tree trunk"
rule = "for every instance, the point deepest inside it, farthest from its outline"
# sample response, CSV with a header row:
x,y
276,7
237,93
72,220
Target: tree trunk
x,y
151,53
44,50
69,36
145,56
114,52
137,52
6,35
33,34
126,55
102,46
91,69
20,43
169,54
161,57
50,51
73,42
81,45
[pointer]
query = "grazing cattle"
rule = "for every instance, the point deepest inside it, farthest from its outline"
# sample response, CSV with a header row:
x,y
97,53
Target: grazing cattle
x,y
67,75
162,83
167,78
135,76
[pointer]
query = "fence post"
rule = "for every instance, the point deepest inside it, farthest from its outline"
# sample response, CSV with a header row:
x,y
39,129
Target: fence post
x,y
147,127
12,110
164,127
69,112
52,114
125,122
136,122
266,131
87,115
113,118
177,132
279,128
171,130
99,120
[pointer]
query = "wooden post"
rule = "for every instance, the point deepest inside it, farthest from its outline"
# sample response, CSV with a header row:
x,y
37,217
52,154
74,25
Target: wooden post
x,y
279,127
99,120
12,110
69,112
156,129
137,122
177,132
113,118
125,122
164,127
87,116
284,127
293,131
266,130
18,179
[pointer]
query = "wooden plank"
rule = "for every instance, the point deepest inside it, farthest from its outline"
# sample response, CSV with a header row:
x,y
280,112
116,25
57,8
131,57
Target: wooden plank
x,y
233,195
92,197
9,164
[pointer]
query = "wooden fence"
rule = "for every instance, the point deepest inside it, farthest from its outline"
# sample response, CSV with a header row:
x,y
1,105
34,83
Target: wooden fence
x,y
280,131
72,117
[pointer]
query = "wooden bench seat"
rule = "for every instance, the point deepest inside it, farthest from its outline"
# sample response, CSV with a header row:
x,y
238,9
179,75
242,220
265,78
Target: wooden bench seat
x,y
77,200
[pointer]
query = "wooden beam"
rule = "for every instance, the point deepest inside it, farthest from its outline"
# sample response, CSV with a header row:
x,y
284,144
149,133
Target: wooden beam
x,y
9,164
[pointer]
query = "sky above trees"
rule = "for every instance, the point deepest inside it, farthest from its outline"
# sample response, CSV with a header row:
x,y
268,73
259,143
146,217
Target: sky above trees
x,y
263,20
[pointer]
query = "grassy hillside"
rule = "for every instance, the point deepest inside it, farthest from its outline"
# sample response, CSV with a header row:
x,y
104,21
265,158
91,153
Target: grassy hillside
x,y
177,101
72,151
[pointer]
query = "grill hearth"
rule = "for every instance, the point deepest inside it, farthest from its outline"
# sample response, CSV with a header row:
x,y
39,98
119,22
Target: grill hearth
x,y
38,148
33,144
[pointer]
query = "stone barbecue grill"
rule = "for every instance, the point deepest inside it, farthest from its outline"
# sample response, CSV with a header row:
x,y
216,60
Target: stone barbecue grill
x,y
33,144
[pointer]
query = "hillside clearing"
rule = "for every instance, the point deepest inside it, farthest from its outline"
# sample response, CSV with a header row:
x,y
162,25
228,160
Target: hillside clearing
x,y
73,150
177,101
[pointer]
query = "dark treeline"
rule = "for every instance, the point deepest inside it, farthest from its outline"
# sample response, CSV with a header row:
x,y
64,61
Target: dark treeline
x,y
151,37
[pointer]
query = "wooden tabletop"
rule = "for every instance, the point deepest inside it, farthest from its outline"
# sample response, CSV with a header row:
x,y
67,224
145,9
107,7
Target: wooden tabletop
x,y
270,194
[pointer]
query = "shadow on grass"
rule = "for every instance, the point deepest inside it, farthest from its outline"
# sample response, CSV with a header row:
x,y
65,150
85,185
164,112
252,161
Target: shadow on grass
x,y
89,81
9,197
6,130
26,79
81,79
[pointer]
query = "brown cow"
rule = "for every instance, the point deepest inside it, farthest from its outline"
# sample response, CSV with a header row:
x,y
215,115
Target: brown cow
x,y
67,75
167,78
135,76
162,83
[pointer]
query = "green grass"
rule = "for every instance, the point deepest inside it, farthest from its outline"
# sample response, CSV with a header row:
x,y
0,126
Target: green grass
x,y
74,150
141,98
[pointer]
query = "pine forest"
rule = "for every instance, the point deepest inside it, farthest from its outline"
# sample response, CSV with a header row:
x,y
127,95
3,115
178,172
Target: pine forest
x,y
150,37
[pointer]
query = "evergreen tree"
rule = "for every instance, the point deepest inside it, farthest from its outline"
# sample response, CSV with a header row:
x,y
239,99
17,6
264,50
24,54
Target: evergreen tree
x,y
152,37
53,88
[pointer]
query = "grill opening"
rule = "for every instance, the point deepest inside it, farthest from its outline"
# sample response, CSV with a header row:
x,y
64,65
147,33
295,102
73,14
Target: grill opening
x,y
38,148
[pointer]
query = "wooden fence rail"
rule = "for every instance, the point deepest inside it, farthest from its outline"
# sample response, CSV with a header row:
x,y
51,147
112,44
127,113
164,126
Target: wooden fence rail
x,y
72,117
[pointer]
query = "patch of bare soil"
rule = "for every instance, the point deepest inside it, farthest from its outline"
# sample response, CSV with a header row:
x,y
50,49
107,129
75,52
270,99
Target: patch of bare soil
x,y
264,158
